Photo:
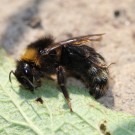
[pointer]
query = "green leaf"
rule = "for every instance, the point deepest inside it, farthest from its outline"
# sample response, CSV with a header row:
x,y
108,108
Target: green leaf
x,y
20,114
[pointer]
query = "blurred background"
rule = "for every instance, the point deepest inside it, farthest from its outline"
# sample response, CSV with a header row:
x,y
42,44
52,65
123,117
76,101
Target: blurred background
x,y
23,22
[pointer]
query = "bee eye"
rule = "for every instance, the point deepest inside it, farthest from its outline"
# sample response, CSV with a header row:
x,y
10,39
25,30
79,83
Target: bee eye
x,y
27,69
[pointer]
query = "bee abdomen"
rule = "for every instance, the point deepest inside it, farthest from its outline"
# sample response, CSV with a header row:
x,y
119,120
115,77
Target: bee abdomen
x,y
97,81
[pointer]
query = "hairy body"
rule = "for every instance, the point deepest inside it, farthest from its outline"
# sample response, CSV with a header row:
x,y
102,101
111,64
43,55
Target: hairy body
x,y
44,57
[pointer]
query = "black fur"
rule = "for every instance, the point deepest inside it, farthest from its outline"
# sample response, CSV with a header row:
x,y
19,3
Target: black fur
x,y
75,60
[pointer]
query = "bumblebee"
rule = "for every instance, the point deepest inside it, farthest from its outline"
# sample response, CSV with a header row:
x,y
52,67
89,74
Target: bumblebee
x,y
44,58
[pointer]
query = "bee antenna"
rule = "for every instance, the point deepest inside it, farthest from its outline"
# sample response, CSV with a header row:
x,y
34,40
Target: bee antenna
x,y
11,72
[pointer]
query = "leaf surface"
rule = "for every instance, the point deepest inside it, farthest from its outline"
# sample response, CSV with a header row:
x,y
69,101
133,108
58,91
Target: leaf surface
x,y
20,114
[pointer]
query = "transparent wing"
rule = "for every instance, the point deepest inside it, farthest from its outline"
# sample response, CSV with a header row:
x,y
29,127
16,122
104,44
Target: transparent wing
x,y
74,41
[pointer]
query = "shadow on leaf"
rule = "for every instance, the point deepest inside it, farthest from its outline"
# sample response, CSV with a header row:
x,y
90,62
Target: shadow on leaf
x,y
50,89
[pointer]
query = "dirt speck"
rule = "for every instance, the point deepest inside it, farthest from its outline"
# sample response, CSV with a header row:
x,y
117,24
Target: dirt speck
x,y
107,133
40,100
35,22
103,128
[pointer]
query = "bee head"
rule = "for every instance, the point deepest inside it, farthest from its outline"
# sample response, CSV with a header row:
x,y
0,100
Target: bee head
x,y
26,74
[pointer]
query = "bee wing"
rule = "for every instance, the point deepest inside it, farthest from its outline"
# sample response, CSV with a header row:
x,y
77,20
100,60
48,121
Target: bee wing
x,y
74,41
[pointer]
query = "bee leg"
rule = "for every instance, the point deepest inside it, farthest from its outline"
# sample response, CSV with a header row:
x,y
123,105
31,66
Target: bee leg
x,y
61,82
104,66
